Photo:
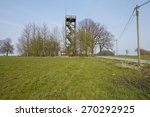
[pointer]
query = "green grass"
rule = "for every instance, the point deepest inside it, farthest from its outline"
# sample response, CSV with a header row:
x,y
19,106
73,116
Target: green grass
x,y
70,78
135,57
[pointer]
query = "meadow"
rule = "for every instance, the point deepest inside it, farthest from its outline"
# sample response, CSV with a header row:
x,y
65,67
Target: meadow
x,y
72,78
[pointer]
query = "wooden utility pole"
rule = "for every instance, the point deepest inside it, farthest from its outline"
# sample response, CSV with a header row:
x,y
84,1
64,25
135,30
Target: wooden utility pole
x,y
138,32
138,35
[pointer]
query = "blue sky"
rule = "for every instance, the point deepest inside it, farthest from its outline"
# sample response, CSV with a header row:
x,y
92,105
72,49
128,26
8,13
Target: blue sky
x,y
114,14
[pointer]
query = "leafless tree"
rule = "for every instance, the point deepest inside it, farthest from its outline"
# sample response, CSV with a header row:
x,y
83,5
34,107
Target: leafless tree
x,y
45,34
84,42
91,27
38,41
6,46
104,39
99,34
25,40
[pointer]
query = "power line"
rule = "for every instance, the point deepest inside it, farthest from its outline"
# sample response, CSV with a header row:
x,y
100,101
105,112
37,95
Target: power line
x,y
130,18
144,3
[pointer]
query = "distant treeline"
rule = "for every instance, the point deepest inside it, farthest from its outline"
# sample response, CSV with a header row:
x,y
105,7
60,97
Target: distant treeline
x,y
144,52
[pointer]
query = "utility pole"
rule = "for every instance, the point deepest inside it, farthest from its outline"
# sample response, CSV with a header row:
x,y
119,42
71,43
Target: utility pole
x,y
116,47
138,34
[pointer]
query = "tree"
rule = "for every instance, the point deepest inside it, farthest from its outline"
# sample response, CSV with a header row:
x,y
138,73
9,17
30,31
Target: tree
x,y
99,35
1,42
38,41
143,51
45,35
84,42
23,46
6,46
53,46
90,27
104,39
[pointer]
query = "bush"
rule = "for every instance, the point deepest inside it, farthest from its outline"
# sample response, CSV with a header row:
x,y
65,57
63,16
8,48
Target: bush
x,y
106,53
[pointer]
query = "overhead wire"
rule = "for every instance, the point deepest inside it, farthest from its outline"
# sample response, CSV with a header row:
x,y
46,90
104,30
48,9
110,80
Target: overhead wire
x,y
127,24
130,19
144,3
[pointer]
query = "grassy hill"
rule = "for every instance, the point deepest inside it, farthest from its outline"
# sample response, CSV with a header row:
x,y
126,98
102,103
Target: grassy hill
x,y
72,78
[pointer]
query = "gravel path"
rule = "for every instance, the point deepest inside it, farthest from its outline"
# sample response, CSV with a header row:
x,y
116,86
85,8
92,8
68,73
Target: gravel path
x,y
126,59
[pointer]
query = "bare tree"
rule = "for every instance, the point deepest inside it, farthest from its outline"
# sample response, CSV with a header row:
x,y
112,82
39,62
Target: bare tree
x,y
38,41
25,40
104,39
45,34
99,34
1,42
89,26
55,41
6,46
84,42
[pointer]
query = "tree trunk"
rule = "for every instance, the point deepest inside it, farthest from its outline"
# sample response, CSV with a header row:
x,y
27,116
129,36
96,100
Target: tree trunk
x,y
6,53
100,50
92,49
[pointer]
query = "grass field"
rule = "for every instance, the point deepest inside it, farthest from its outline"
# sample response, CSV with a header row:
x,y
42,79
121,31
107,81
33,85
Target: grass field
x,y
71,78
135,57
